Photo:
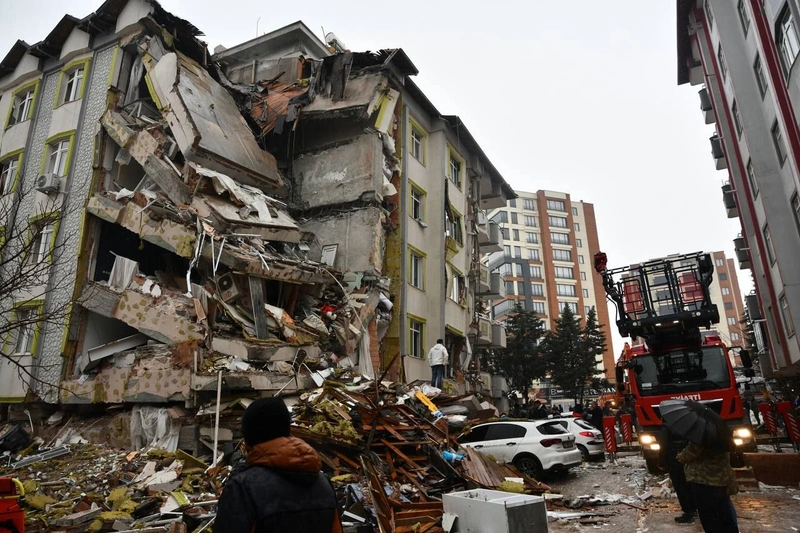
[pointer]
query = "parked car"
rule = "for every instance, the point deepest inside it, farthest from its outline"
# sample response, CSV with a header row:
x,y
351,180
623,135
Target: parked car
x,y
587,438
534,447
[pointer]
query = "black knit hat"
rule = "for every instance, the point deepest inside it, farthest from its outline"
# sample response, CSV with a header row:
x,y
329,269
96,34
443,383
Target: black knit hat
x,y
265,419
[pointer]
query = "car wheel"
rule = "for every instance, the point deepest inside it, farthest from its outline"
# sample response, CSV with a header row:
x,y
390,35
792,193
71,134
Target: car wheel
x,y
652,465
584,453
529,465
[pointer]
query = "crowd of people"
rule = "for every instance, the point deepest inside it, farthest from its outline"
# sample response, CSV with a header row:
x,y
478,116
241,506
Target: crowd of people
x,y
537,410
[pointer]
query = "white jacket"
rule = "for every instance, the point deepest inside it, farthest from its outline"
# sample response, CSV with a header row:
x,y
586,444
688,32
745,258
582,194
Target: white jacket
x,y
438,355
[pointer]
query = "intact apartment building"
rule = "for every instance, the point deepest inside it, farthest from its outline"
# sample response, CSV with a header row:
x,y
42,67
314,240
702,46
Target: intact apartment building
x,y
190,214
547,261
742,55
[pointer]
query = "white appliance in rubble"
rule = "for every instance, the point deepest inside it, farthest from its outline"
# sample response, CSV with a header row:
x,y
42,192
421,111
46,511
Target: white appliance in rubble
x,y
481,511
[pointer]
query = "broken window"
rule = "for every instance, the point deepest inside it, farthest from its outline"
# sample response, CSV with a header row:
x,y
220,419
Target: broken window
x,y
58,157
417,275
458,289
454,229
416,338
455,171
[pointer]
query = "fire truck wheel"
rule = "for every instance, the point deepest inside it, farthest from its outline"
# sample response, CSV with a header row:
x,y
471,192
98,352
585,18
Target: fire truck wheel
x,y
652,465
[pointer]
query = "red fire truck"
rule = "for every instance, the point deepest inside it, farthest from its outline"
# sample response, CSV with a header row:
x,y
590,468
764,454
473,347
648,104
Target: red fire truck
x,y
664,305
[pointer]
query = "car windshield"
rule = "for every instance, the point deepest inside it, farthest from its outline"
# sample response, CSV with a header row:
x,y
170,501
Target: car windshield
x,y
583,424
677,371
552,428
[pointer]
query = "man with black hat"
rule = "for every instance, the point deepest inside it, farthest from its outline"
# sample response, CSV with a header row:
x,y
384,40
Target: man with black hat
x,y
282,488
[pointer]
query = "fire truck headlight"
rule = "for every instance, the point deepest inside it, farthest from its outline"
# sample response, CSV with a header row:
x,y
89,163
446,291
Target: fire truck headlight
x,y
646,439
743,433
655,447
738,442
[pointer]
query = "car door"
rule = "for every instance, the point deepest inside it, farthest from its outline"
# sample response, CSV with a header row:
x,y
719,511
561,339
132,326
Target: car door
x,y
502,441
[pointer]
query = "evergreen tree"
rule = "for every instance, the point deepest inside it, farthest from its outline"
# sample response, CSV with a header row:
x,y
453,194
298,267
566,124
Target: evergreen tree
x,y
520,362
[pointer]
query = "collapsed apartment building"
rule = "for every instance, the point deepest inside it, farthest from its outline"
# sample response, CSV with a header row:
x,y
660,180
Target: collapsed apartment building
x,y
244,223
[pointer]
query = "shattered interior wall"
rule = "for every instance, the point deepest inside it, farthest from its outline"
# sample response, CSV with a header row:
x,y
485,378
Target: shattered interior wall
x,y
359,235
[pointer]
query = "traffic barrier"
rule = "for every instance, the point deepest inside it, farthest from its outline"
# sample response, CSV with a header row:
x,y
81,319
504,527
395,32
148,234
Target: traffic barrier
x,y
610,439
627,432
790,419
769,418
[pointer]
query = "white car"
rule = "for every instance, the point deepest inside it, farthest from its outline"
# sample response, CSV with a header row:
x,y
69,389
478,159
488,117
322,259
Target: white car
x,y
588,439
534,447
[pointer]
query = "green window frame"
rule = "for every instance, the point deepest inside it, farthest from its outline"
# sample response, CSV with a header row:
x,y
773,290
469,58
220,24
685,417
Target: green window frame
x,y
416,274
11,162
44,166
34,233
33,329
418,141
67,85
417,199
32,88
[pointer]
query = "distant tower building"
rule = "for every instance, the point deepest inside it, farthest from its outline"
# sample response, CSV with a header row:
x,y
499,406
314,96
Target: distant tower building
x,y
547,260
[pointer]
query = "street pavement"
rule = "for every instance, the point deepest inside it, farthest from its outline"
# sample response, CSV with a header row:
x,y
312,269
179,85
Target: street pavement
x,y
632,500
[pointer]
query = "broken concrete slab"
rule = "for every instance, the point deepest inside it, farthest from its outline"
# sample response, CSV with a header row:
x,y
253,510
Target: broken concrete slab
x,y
359,235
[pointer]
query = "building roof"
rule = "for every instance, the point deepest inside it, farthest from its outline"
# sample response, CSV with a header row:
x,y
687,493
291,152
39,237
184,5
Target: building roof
x,y
684,42
51,45
13,57
291,33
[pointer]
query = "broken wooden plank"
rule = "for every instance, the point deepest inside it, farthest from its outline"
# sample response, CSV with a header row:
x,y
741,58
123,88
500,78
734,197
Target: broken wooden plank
x,y
258,300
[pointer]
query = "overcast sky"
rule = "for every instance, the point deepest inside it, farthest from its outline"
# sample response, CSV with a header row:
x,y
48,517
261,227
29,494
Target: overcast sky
x,y
569,96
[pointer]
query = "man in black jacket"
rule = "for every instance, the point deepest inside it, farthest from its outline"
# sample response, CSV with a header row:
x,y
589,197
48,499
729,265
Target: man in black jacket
x,y
282,488
671,446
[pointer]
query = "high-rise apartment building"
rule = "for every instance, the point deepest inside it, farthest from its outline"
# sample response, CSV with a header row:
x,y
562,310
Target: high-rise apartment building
x,y
743,53
547,260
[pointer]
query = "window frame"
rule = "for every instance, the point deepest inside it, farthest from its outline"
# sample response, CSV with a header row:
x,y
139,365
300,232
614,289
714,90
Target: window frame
x,y
551,218
453,156
794,204
559,272
528,204
535,272
36,306
751,177
530,218
31,88
9,186
565,289
63,87
556,205
572,305
585,293
761,79
583,276
459,287
784,22
557,251
421,194
537,289
47,153
412,321
737,119
723,66
725,291
531,237
539,308
563,238
731,321
414,254
770,248
50,219
709,15
579,243
744,17
534,255
778,143
786,315
416,130
455,221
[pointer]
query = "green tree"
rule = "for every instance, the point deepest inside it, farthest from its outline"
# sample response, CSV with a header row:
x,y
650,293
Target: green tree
x,y
570,352
520,362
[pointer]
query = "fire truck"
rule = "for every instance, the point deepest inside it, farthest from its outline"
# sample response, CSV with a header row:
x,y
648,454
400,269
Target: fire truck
x,y
665,307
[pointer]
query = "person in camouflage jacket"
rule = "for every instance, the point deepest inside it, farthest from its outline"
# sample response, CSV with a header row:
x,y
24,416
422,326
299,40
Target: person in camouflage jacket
x,y
710,478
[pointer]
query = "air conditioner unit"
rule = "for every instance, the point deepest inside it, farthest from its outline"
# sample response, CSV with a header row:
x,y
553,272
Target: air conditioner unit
x,y
227,287
48,183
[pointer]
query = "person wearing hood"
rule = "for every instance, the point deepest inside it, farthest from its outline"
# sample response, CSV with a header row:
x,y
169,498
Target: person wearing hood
x,y
282,487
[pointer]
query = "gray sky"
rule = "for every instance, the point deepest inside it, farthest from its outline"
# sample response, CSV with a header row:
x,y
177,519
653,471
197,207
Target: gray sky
x,y
569,96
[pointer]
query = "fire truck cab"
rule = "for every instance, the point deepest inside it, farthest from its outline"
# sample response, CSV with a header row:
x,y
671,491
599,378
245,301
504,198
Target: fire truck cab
x,y
664,306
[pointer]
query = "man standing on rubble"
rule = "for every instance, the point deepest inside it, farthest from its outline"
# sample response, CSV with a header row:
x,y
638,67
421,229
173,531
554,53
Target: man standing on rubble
x,y
282,488
437,358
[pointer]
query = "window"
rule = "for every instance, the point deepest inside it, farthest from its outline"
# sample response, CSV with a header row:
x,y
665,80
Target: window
x,y
501,217
729,306
504,269
796,210
417,277
587,308
74,87
458,290
538,308
559,238
454,228
737,119
562,255
520,288
22,104
723,276
735,336
416,338
531,238
725,291
507,250
744,17
786,315
516,235
719,262
530,221
751,178
579,243
580,259
786,39
58,157
8,174
26,318
537,289
417,204
528,205
557,222
418,144
565,290
504,232
455,171
770,247
723,68
574,211
533,254
572,305
556,205
576,226
565,272
583,276
731,321
536,272
777,140
518,270
518,252
585,293
709,15
509,288
761,78
514,218
42,234
512,203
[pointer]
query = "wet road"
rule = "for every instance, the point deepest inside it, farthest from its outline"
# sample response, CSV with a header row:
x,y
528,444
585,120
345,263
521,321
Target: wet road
x,y
635,501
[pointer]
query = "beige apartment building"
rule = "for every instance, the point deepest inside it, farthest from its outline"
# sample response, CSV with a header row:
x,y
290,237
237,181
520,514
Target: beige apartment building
x,y
547,260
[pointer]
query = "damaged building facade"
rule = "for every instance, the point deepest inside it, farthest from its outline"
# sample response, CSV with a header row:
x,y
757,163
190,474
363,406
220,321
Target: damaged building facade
x,y
253,220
